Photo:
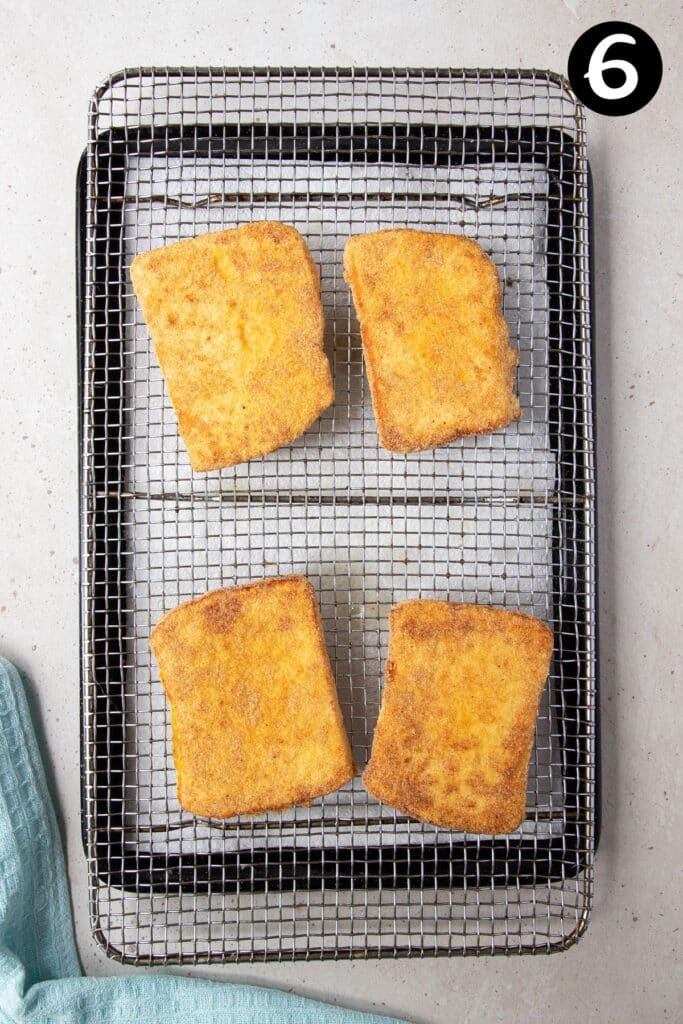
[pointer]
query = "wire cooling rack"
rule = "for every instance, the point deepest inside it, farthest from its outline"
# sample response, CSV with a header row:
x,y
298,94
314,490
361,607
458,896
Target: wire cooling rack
x,y
504,519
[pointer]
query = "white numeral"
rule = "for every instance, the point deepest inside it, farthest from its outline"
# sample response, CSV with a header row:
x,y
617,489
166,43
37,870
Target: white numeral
x,y
598,65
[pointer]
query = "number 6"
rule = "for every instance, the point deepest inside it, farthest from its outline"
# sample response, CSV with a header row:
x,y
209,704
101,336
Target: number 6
x,y
598,65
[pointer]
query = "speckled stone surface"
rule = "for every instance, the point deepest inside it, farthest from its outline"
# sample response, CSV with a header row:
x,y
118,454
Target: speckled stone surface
x,y
625,968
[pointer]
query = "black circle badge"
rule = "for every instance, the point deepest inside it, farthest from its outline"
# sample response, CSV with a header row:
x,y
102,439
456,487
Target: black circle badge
x,y
615,68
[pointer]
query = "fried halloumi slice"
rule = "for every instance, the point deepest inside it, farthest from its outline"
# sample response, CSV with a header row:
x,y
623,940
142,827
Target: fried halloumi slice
x,y
434,339
456,725
237,326
254,710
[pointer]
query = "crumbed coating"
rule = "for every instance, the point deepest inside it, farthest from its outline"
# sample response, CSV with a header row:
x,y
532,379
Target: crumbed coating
x,y
237,326
456,725
254,710
434,339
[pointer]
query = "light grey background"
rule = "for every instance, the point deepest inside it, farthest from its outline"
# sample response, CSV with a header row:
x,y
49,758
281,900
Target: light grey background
x,y
627,968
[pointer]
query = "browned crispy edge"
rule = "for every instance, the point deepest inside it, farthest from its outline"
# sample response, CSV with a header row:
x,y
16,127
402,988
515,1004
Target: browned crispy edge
x,y
304,797
211,465
375,781
390,438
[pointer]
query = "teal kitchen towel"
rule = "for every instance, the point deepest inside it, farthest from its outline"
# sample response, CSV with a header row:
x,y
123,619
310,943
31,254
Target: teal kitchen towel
x,y
40,976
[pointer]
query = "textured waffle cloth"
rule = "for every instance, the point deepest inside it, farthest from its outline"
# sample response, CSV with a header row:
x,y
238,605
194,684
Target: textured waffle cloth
x,y
40,976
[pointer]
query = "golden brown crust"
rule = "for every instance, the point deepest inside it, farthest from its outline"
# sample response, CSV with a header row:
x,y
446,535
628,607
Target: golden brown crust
x,y
435,341
254,710
237,326
456,726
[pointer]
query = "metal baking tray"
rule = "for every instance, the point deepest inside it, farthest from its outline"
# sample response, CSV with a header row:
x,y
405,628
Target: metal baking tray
x,y
505,519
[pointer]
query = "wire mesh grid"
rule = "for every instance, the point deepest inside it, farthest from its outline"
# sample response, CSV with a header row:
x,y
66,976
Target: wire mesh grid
x,y
503,519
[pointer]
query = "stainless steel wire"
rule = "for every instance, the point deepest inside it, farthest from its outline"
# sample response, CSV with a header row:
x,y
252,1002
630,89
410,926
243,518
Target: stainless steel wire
x,y
504,519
